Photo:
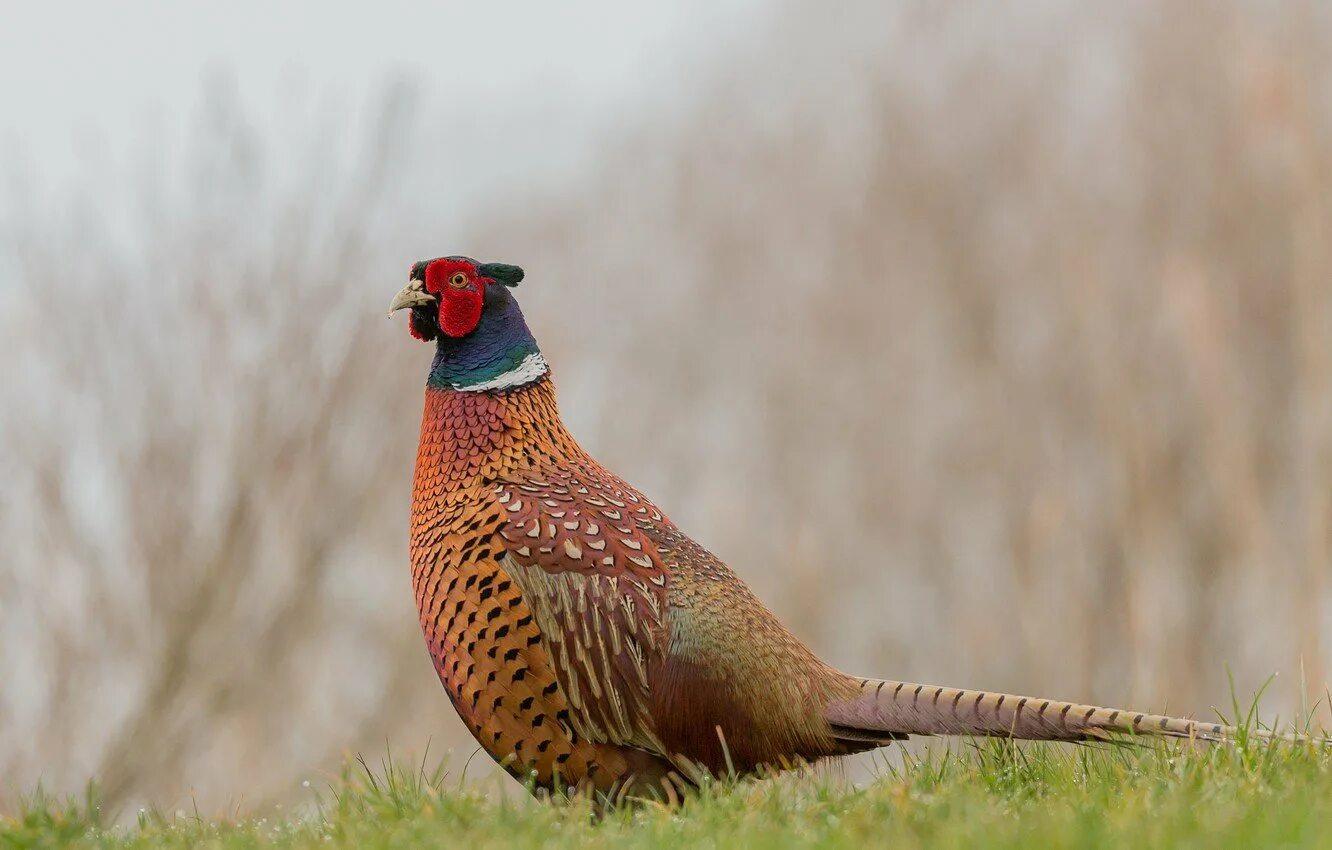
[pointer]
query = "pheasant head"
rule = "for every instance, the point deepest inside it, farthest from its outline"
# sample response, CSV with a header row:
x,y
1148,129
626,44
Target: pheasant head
x,y
448,295
465,307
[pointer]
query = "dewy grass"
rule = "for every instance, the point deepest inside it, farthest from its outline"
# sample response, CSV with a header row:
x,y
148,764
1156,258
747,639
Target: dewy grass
x,y
965,793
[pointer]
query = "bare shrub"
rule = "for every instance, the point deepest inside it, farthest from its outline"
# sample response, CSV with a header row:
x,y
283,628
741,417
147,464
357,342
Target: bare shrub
x,y
209,448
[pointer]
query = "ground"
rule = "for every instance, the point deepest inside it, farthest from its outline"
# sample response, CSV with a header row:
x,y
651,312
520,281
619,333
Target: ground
x,y
973,795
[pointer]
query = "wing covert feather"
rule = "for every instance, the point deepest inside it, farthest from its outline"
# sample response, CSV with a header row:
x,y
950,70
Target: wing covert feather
x,y
578,546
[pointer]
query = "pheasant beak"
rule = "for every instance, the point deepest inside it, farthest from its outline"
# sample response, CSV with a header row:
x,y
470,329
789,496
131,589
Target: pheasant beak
x,y
412,295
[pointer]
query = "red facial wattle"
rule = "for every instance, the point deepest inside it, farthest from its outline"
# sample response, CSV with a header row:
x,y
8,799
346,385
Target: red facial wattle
x,y
461,293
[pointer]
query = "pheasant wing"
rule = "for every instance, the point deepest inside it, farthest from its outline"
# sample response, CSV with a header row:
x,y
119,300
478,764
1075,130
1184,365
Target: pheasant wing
x,y
578,542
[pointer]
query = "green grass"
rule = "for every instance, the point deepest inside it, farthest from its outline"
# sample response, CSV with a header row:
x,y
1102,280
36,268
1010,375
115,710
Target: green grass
x,y
988,794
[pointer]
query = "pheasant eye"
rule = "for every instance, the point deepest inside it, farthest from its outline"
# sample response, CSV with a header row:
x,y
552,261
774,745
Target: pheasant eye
x,y
458,281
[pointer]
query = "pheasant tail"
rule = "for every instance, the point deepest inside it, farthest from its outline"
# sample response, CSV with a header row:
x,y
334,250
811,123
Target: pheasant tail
x,y
909,708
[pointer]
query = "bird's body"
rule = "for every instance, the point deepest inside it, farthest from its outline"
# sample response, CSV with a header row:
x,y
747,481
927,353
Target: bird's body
x,y
582,637
568,617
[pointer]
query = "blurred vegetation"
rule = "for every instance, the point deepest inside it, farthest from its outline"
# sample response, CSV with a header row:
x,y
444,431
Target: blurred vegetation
x,y
992,348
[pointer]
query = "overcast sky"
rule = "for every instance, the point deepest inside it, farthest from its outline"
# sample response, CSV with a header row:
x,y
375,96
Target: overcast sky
x,y
81,80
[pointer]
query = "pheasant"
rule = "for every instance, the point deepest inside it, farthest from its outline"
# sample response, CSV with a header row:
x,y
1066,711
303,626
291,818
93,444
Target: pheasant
x,y
588,643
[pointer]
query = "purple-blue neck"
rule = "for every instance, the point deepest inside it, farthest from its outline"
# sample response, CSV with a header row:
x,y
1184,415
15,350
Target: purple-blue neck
x,y
501,352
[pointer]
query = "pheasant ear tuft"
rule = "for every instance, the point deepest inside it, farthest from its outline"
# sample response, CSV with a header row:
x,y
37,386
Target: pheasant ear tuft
x,y
501,273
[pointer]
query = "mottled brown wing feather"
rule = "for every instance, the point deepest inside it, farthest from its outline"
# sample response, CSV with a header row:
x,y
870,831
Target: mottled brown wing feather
x,y
579,544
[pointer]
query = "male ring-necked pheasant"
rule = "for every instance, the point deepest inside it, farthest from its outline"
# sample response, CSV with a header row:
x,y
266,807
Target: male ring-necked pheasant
x,y
583,638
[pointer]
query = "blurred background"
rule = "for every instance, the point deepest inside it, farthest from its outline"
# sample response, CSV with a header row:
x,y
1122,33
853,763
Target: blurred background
x,y
992,345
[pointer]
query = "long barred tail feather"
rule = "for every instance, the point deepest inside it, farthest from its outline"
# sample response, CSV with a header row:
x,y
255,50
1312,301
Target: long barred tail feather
x,y
905,708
